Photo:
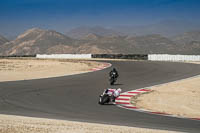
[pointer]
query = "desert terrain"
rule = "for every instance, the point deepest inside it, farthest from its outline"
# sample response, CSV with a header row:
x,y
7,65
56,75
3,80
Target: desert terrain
x,y
24,69
19,124
180,98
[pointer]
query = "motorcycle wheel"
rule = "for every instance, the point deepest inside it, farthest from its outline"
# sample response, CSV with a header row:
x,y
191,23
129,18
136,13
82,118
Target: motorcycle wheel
x,y
104,99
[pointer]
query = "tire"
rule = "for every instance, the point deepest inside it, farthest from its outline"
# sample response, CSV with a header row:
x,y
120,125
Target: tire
x,y
104,99
100,101
112,81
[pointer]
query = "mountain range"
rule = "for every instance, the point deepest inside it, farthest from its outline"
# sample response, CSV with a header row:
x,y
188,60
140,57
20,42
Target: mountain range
x,y
98,41
82,31
39,41
167,28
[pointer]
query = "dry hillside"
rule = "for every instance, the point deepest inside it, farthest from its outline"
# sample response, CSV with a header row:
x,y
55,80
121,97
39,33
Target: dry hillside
x,y
39,41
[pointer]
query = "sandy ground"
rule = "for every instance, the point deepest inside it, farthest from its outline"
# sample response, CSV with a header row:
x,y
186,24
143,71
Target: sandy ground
x,y
19,124
24,69
180,98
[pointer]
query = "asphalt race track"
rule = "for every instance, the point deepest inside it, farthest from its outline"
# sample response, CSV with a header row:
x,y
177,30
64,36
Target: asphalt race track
x,y
76,97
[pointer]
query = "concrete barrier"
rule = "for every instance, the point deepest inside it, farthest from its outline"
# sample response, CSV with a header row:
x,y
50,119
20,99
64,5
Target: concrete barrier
x,y
64,56
87,56
167,57
152,57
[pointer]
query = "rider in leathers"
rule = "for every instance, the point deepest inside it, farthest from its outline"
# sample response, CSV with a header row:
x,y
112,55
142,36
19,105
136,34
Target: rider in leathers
x,y
113,92
113,71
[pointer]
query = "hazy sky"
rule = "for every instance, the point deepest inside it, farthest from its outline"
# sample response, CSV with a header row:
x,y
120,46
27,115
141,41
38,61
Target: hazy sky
x,y
60,15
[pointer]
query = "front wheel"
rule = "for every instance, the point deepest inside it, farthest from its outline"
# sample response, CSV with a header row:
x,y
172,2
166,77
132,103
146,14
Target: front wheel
x,y
100,101
103,99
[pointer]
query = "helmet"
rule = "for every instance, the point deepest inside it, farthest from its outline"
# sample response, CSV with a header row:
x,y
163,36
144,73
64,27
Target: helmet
x,y
114,69
119,89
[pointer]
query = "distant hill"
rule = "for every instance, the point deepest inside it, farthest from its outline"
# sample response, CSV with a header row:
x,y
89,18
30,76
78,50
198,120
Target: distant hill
x,y
90,36
137,45
153,43
82,31
166,28
189,41
3,40
187,37
35,41
39,41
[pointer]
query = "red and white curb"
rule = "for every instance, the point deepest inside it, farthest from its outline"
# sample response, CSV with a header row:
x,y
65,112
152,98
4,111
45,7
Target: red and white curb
x,y
124,101
102,66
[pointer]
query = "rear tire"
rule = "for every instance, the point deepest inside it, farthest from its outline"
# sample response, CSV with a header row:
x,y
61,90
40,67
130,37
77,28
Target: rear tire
x,y
112,81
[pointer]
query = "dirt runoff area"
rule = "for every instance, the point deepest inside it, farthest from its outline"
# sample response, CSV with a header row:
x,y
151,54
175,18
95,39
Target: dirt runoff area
x,y
19,124
25,69
181,98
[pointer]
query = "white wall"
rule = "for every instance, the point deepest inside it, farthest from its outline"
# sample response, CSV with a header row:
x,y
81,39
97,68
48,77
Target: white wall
x,y
64,56
166,57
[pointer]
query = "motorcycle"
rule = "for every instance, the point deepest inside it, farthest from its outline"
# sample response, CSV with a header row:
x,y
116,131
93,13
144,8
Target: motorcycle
x,y
113,78
105,98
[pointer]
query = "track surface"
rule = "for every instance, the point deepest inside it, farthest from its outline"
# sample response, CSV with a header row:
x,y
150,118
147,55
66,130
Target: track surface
x,y
75,97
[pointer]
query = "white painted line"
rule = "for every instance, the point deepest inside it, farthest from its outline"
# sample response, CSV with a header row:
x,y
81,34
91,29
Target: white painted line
x,y
124,97
124,101
126,93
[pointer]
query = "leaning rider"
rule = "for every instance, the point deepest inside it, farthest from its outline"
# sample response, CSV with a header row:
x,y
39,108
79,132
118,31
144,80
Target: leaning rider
x,y
113,92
